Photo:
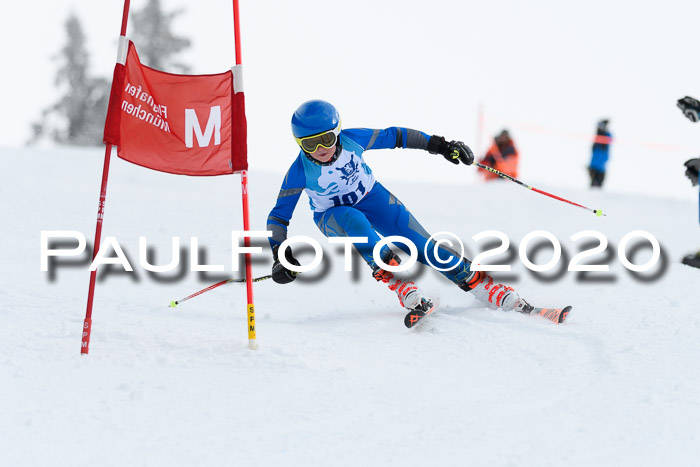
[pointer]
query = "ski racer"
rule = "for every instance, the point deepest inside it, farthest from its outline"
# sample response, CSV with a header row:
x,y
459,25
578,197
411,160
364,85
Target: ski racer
x,y
348,201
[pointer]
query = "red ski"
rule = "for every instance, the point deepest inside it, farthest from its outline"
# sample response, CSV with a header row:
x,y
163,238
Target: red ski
x,y
556,315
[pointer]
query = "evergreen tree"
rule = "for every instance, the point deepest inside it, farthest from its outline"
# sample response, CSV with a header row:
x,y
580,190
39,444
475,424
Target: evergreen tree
x,y
155,42
78,117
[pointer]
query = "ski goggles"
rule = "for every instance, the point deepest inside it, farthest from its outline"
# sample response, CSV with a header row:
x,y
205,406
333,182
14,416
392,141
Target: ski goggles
x,y
326,140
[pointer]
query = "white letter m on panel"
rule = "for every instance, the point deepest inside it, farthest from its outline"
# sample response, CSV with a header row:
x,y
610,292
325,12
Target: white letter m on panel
x,y
192,128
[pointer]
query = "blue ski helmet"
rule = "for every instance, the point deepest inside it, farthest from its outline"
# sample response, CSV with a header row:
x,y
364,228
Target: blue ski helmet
x,y
314,117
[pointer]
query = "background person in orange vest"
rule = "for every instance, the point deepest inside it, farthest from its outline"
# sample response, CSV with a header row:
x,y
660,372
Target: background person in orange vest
x,y
502,156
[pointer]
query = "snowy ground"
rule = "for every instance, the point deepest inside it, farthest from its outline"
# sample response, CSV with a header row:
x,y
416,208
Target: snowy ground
x,y
337,379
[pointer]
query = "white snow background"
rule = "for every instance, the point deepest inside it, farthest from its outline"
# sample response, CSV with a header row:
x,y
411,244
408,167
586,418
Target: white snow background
x,y
337,378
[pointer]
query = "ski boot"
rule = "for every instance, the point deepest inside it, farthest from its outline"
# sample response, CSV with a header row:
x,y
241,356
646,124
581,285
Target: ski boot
x,y
410,296
492,294
504,297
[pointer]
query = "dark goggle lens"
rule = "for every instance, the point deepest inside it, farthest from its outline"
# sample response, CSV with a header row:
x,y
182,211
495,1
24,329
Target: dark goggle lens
x,y
326,140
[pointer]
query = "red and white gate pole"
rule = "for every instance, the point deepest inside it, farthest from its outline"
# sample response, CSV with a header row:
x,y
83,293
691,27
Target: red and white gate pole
x,y
87,324
252,343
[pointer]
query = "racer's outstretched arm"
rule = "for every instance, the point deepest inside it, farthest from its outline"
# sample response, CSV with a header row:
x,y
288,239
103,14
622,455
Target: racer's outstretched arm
x,y
398,137
290,191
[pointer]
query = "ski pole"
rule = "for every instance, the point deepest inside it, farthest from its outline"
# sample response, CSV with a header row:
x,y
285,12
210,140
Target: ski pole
x,y
597,212
175,303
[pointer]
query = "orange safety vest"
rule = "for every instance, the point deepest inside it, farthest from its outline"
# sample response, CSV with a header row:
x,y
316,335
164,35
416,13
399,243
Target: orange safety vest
x,y
505,161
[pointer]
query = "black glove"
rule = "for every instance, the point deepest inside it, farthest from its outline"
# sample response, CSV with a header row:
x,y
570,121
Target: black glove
x,y
280,274
690,108
454,151
693,170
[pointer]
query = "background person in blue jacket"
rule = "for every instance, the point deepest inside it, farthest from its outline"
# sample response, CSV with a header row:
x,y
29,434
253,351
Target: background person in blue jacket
x,y
691,109
347,201
600,154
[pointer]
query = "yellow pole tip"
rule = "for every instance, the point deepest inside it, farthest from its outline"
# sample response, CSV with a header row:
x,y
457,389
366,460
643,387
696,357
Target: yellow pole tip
x,y
173,304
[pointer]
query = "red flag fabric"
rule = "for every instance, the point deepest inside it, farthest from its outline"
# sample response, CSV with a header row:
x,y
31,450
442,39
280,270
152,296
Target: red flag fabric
x,y
180,124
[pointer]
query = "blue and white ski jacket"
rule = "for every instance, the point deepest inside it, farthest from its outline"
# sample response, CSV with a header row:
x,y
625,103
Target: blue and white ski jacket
x,y
344,182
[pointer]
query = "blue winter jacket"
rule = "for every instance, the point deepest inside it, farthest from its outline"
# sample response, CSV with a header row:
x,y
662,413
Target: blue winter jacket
x,y
344,182
601,151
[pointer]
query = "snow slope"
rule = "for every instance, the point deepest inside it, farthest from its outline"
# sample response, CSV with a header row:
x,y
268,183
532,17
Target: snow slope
x,y
337,379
